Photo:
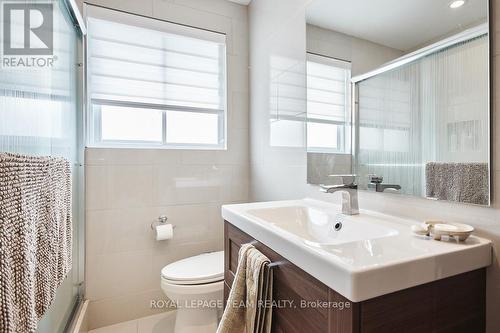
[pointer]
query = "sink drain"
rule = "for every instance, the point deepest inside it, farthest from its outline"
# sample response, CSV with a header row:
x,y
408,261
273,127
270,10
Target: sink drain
x,y
337,226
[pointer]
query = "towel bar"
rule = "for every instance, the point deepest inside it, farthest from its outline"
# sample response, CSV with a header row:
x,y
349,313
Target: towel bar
x,y
273,265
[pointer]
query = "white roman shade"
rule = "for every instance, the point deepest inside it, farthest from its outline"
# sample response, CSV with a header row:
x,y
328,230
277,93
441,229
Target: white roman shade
x,y
141,63
163,64
328,104
328,89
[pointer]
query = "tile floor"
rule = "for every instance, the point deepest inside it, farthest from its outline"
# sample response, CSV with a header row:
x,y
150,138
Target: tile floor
x,y
160,323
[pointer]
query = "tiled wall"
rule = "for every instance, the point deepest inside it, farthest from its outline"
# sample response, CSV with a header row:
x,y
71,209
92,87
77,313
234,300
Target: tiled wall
x,y
277,31
127,189
277,46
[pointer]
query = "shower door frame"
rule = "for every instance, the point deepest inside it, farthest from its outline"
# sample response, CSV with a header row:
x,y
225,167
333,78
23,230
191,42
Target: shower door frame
x,y
474,32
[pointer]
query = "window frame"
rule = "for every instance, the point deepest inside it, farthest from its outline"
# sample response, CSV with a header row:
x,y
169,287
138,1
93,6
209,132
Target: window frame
x,y
343,140
93,119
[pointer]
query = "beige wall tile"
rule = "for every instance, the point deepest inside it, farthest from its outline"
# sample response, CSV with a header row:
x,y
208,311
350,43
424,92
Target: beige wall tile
x,y
130,188
94,156
237,148
237,69
130,185
177,13
238,187
96,189
166,156
119,309
198,157
104,156
230,10
110,311
238,113
116,274
143,7
165,184
95,237
120,230
240,37
191,184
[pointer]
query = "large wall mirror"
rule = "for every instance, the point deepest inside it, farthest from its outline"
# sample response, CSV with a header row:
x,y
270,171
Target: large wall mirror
x,y
398,94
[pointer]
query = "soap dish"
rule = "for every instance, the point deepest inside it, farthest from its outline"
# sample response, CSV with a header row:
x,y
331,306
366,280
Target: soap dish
x,y
438,229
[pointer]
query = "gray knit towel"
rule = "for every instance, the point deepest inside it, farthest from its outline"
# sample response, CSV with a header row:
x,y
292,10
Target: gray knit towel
x,y
461,182
35,237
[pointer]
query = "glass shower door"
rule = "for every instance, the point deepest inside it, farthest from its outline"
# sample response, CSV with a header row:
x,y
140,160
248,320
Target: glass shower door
x,y
40,115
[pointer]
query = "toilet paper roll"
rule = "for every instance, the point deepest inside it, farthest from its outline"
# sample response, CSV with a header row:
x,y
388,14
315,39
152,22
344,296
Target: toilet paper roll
x,y
164,231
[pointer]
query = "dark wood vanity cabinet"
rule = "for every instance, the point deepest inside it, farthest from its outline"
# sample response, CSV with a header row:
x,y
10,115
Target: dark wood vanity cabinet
x,y
455,304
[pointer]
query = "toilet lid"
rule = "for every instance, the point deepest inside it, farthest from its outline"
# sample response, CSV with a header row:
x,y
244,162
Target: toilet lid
x,y
203,268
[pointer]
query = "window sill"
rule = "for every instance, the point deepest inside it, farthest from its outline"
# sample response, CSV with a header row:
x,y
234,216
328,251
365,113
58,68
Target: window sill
x,y
158,147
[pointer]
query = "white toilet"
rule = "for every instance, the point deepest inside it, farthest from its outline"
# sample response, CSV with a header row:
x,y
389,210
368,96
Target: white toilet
x,y
196,285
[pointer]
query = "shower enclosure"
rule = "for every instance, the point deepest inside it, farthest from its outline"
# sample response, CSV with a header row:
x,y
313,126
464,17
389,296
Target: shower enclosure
x,y
41,114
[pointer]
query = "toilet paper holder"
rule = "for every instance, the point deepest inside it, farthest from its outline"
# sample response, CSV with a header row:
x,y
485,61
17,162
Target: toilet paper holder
x,y
162,219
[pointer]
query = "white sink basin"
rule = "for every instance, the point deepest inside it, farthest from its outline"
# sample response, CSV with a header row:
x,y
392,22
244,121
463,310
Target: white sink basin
x,y
322,226
371,255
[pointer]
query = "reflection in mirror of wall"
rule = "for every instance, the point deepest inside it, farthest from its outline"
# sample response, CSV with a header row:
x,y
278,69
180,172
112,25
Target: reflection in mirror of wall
x,y
328,116
421,109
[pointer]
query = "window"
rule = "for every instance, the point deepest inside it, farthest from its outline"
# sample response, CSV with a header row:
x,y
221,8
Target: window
x,y
328,103
152,83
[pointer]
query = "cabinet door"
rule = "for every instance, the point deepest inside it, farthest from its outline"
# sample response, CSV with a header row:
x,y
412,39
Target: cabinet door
x,y
452,305
297,294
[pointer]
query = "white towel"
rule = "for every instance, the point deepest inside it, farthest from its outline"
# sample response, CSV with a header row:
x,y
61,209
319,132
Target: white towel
x,y
35,237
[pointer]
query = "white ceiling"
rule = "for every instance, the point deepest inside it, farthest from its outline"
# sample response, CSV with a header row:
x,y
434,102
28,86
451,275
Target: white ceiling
x,y
400,24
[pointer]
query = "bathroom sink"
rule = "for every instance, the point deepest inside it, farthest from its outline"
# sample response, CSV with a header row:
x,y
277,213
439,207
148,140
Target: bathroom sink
x,y
322,226
359,256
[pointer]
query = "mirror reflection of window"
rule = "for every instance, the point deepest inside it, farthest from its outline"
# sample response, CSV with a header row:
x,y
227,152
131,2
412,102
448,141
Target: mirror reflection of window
x,y
328,104
287,104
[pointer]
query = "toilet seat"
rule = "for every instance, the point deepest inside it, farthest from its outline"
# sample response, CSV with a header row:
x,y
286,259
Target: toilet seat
x,y
201,269
186,291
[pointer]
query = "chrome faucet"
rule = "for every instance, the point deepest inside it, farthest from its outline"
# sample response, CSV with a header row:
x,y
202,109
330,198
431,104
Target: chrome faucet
x,y
376,184
349,191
